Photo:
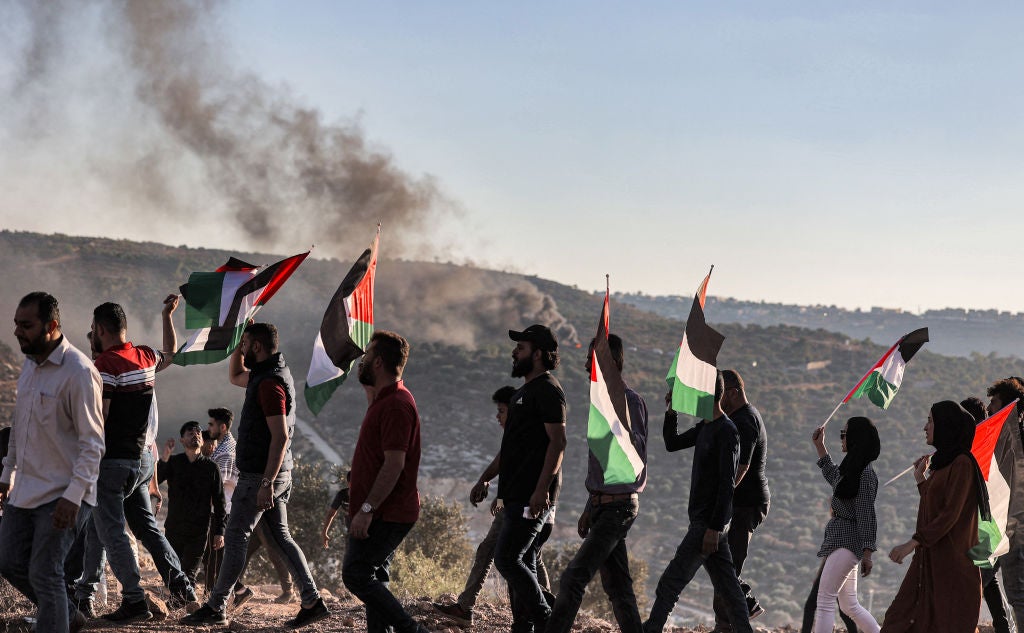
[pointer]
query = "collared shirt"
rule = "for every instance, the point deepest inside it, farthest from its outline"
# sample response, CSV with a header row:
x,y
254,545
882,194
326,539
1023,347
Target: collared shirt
x,y
57,435
638,437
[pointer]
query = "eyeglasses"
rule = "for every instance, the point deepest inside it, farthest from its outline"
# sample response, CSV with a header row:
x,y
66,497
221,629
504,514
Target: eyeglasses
x,y
842,434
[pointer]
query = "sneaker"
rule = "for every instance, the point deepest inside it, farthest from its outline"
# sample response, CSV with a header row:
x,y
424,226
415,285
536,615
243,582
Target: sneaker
x,y
181,598
130,612
462,617
756,610
85,606
241,598
286,597
77,621
205,615
309,615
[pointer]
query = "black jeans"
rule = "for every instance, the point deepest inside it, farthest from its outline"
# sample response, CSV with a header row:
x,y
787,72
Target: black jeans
x,y
812,605
515,562
994,599
604,550
745,519
365,572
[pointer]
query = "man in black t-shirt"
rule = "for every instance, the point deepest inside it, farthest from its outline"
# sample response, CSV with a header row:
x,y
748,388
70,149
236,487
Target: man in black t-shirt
x,y
530,459
751,496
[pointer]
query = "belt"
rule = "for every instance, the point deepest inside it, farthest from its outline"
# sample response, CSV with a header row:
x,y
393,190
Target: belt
x,y
601,499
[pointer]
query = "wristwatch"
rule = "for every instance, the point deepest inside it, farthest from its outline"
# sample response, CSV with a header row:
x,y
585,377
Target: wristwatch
x,y
266,483
367,508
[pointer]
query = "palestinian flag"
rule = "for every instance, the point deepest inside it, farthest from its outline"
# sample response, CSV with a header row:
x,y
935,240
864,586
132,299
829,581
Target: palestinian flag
x,y
991,434
883,380
218,305
608,429
694,369
345,331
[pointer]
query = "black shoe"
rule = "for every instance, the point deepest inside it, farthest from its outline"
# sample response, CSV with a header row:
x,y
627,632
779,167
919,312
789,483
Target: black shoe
x,y
462,617
181,597
286,597
85,606
309,615
241,598
130,612
205,615
756,610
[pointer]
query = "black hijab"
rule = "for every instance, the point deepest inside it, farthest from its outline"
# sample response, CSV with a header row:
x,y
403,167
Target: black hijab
x,y
952,436
862,448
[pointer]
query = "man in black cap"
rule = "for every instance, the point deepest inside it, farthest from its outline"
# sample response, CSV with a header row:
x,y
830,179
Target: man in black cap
x,y
535,435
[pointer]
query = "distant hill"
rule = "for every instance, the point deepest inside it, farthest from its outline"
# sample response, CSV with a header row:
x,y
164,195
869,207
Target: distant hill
x,y
954,331
456,319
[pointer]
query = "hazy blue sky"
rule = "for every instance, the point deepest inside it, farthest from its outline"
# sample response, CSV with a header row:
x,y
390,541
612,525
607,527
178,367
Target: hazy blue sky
x,y
861,154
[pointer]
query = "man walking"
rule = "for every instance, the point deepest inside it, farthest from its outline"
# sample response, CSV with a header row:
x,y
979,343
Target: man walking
x,y
264,460
384,500
129,375
195,499
715,458
751,497
1010,457
530,458
219,429
55,448
606,519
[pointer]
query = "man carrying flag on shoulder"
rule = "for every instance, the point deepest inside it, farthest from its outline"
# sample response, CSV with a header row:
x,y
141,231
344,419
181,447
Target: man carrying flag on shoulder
x,y
1010,457
610,511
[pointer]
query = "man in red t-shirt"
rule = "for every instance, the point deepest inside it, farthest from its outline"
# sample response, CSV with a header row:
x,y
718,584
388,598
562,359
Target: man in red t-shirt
x,y
384,503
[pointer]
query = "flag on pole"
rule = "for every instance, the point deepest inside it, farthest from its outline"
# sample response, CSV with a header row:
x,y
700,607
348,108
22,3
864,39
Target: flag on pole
x,y
218,305
609,428
986,437
694,369
344,332
883,380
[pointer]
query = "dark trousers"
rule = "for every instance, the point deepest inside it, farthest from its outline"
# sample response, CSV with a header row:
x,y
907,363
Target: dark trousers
x,y
812,605
261,537
212,559
994,600
365,572
604,550
515,559
680,571
745,519
189,545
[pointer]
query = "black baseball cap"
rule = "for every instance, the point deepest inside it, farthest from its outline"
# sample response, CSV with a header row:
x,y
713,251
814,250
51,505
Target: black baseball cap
x,y
188,426
539,335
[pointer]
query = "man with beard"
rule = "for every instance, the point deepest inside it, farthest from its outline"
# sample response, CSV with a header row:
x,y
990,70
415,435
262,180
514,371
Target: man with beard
x,y
383,499
1010,457
129,404
55,448
195,499
530,459
263,457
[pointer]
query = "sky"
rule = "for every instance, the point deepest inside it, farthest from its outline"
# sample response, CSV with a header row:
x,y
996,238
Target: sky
x,y
857,154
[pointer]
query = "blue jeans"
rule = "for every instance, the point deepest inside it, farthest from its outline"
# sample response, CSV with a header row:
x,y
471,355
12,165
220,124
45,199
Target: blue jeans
x,y
604,550
513,560
32,556
245,514
366,572
122,493
680,572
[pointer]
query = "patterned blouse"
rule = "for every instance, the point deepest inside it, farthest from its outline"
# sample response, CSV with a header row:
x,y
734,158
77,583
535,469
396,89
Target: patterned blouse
x,y
853,525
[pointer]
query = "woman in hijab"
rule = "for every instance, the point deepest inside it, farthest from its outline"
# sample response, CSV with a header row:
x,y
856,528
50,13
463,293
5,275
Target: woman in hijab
x,y
850,533
942,589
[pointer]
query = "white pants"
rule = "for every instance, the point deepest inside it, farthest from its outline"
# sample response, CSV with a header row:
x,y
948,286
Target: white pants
x,y
839,580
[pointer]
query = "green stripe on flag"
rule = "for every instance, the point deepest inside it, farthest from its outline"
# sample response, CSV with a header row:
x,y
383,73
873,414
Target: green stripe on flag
x,y
317,396
602,443
686,399
361,332
878,391
202,309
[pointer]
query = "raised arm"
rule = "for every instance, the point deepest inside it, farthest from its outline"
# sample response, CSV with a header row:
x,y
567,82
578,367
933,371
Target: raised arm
x,y
170,341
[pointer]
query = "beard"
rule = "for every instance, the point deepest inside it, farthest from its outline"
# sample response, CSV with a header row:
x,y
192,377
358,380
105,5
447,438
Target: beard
x,y
249,360
95,345
366,376
33,346
522,367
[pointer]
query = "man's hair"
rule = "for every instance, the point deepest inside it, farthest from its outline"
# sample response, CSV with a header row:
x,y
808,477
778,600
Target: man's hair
x,y
504,395
393,349
975,407
719,386
732,379
1008,390
188,426
46,306
549,359
265,333
222,415
110,317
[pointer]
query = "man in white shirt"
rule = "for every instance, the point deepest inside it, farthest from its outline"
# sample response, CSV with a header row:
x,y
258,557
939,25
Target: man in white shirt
x,y
55,450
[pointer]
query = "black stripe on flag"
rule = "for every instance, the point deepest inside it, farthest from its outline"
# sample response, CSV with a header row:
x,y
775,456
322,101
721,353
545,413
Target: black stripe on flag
x,y
704,341
911,343
334,330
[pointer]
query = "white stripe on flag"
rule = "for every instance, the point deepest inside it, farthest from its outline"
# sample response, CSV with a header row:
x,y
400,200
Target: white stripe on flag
x,y
999,503
228,289
602,400
321,369
693,372
197,341
893,368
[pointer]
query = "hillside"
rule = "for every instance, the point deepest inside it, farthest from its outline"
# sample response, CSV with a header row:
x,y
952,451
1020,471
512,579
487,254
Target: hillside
x,y
456,318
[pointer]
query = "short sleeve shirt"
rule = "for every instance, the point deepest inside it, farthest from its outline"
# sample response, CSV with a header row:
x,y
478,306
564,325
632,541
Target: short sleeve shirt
x,y
524,443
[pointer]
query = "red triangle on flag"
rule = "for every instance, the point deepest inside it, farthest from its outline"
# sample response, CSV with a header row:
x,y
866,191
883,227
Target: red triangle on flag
x,y
986,435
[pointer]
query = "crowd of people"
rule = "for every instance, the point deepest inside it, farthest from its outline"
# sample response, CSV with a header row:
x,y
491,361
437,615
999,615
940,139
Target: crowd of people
x,y
82,468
